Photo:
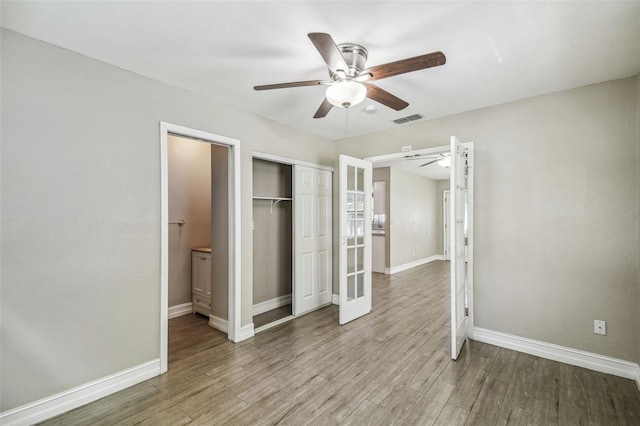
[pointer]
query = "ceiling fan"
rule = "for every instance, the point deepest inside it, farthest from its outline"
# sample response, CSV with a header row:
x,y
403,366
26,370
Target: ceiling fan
x,y
349,79
443,159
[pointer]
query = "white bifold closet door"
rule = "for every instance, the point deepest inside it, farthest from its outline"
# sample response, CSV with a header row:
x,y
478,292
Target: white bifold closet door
x,y
312,286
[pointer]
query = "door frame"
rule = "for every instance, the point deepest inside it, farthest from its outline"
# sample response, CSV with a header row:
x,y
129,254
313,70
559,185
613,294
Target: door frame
x,y
234,286
293,163
470,242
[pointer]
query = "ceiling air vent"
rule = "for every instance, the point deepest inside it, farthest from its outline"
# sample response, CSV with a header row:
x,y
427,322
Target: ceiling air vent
x,y
407,119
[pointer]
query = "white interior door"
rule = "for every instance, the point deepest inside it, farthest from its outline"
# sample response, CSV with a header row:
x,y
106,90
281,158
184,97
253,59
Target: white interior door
x,y
313,286
355,238
457,238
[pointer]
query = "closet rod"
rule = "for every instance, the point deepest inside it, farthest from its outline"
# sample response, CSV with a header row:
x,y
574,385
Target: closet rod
x,y
274,200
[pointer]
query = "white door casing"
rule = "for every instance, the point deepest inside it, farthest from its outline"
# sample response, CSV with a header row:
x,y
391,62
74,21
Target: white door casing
x,y
313,285
457,238
235,193
355,237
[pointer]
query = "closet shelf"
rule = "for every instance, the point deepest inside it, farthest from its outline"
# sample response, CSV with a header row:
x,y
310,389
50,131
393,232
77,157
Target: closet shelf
x,y
274,200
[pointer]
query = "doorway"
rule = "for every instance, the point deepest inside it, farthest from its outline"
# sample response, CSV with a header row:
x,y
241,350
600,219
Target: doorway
x,y
229,254
292,238
460,158
272,243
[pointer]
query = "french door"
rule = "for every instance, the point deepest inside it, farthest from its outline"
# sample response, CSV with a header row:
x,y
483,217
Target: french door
x,y
355,237
457,240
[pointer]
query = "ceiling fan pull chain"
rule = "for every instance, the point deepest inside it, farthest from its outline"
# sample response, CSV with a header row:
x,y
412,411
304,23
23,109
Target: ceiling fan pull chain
x,y
346,121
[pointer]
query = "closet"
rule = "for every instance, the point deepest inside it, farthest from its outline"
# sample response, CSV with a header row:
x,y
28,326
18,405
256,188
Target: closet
x,y
272,241
292,239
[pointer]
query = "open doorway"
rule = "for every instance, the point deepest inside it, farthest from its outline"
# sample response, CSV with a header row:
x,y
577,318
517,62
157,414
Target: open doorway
x,y
408,194
459,157
272,243
207,241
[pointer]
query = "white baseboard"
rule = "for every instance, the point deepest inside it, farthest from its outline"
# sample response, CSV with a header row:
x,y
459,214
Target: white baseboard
x,y
405,266
335,299
78,396
591,361
268,305
219,323
180,310
246,332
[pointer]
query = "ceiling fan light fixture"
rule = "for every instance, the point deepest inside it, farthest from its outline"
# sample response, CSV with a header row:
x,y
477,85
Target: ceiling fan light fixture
x,y
346,94
445,162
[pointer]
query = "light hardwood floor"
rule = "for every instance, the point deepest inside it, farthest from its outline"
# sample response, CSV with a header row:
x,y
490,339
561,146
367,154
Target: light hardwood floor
x,y
389,367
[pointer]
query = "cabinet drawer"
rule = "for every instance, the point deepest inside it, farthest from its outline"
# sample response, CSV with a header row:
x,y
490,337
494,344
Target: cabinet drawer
x,y
201,301
201,273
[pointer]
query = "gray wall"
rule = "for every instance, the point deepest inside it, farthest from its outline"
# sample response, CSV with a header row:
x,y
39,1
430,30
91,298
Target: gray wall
x,y
220,231
272,234
189,167
412,217
380,174
551,174
80,196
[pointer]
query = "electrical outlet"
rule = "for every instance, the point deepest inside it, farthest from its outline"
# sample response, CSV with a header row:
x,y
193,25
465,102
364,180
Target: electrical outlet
x,y
406,148
600,327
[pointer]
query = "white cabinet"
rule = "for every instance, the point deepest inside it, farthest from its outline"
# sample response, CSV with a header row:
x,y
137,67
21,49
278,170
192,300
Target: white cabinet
x,y
201,281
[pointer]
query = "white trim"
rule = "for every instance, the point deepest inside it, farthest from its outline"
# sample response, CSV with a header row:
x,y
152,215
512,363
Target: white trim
x,y
268,305
286,160
273,324
470,239
246,332
62,402
164,247
405,266
176,311
335,299
219,323
234,230
591,361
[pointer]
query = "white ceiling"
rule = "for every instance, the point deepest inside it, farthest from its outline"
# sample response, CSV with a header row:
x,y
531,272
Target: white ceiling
x,y
496,52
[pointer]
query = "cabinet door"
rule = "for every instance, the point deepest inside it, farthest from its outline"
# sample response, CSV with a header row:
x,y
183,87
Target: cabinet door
x,y
201,274
207,276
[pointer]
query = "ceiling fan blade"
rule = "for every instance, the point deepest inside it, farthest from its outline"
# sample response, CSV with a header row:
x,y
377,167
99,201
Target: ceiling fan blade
x,y
286,85
329,51
430,162
406,65
384,97
421,156
324,109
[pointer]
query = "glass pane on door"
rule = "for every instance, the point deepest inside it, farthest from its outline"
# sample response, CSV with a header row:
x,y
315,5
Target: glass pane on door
x,y
351,288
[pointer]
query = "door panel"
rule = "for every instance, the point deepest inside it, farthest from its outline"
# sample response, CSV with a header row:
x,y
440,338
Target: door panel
x,y
312,239
447,218
457,228
355,238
